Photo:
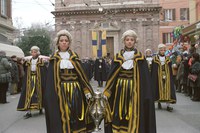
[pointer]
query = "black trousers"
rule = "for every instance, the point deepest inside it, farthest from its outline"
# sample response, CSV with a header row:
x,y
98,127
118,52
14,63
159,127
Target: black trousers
x,y
100,80
100,83
3,90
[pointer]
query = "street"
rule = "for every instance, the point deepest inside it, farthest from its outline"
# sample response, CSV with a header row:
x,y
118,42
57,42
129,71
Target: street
x,y
185,117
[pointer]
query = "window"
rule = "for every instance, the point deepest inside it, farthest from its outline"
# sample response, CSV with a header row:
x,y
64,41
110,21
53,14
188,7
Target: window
x,y
167,38
184,14
169,14
4,7
105,25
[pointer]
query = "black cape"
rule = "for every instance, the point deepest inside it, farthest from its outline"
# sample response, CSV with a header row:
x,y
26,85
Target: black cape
x,y
52,109
146,122
157,78
40,79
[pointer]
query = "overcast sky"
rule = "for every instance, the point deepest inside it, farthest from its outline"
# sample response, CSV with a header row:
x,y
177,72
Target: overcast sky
x,y
32,11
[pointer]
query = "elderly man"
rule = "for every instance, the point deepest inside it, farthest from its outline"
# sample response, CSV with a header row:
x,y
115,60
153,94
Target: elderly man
x,y
162,80
34,79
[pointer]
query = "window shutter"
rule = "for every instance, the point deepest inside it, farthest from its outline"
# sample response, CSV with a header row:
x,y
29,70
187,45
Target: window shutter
x,y
181,13
164,14
188,14
163,37
174,14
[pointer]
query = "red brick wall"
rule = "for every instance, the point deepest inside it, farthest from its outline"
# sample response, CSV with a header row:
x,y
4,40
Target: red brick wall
x,y
166,27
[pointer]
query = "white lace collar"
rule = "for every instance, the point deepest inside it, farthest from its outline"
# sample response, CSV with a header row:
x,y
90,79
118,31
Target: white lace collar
x,y
128,56
65,62
162,59
33,64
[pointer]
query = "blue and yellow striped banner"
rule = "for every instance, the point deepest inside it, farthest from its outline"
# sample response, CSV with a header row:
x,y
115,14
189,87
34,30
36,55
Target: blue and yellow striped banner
x,y
99,43
94,43
103,43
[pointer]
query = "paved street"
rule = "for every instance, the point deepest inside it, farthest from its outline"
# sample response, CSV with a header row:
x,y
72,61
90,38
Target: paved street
x,y
184,119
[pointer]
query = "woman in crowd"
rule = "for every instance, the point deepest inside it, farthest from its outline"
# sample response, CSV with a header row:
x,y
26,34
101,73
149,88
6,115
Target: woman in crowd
x,y
195,70
67,90
128,91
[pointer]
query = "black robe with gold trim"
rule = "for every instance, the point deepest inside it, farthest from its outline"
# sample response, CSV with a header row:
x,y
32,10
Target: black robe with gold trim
x,y
141,118
163,88
60,118
33,87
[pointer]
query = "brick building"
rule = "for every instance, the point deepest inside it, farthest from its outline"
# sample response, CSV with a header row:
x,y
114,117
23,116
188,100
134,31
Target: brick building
x,y
194,28
174,13
81,17
194,7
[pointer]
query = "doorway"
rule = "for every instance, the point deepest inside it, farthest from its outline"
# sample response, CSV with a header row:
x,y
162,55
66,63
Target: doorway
x,y
110,46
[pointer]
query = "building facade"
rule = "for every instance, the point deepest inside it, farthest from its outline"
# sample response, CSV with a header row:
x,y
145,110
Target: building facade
x,y
193,29
6,26
81,17
194,7
174,13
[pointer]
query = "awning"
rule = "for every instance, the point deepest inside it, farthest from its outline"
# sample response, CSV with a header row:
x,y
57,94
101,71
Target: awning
x,y
192,29
11,50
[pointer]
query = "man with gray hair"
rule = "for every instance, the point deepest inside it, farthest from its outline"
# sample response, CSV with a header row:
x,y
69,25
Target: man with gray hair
x,y
162,80
34,80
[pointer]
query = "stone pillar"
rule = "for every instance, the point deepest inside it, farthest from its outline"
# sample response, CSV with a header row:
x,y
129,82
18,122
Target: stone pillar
x,y
85,38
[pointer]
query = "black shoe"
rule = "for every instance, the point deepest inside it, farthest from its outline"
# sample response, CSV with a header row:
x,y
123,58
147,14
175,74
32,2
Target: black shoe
x,y
5,102
40,112
27,115
194,99
159,105
169,109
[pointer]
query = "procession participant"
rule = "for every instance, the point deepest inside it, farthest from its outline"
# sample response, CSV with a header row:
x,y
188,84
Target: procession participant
x,y
67,90
149,57
128,91
100,71
162,80
33,84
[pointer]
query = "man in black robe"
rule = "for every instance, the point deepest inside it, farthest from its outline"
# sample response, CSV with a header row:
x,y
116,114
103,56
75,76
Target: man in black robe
x,y
162,79
33,84
100,71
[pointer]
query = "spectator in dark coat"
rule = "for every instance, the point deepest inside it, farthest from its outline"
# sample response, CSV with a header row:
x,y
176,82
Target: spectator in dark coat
x,y
195,69
14,75
21,73
5,76
183,74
